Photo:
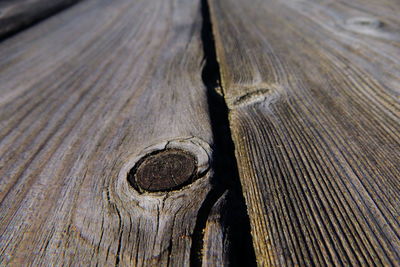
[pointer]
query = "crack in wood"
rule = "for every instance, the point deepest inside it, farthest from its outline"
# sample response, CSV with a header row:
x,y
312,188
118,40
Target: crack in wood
x,y
17,15
225,172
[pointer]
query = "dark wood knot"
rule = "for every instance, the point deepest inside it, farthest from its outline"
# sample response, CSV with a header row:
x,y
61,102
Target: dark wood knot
x,y
163,170
364,23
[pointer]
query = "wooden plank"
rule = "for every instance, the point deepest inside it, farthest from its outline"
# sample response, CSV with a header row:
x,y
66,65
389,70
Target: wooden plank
x,y
86,97
313,93
18,14
226,240
216,235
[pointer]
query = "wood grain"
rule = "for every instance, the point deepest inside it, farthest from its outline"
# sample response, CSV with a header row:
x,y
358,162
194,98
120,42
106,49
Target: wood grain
x,y
216,234
313,93
226,240
84,96
18,14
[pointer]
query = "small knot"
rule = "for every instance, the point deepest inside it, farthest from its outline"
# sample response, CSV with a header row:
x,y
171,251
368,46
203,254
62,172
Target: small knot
x,y
365,23
252,97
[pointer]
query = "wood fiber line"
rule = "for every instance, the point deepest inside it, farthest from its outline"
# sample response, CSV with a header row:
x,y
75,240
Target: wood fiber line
x,y
18,14
312,89
84,96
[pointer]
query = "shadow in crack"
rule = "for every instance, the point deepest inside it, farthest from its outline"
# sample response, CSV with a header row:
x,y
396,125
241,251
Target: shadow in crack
x,y
233,216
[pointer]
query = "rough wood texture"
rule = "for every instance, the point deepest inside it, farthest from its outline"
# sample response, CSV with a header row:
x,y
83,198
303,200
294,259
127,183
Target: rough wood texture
x,y
216,235
84,96
312,88
226,240
17,14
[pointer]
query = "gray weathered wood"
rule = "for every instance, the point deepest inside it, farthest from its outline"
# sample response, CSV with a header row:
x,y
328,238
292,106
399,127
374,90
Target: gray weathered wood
x,y
216,235
312,88
17,14
226,240
84,96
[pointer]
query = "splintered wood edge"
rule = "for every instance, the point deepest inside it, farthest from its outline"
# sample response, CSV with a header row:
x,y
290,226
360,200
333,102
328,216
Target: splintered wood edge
x,y
199,149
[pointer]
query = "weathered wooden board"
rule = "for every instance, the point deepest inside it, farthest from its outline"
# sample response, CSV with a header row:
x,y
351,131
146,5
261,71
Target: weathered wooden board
x,y
17,14
85,96
226,239
313,93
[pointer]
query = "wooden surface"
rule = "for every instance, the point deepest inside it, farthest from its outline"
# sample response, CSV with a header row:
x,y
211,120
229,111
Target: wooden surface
x,y
115,148
84,96
17,14
313,94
